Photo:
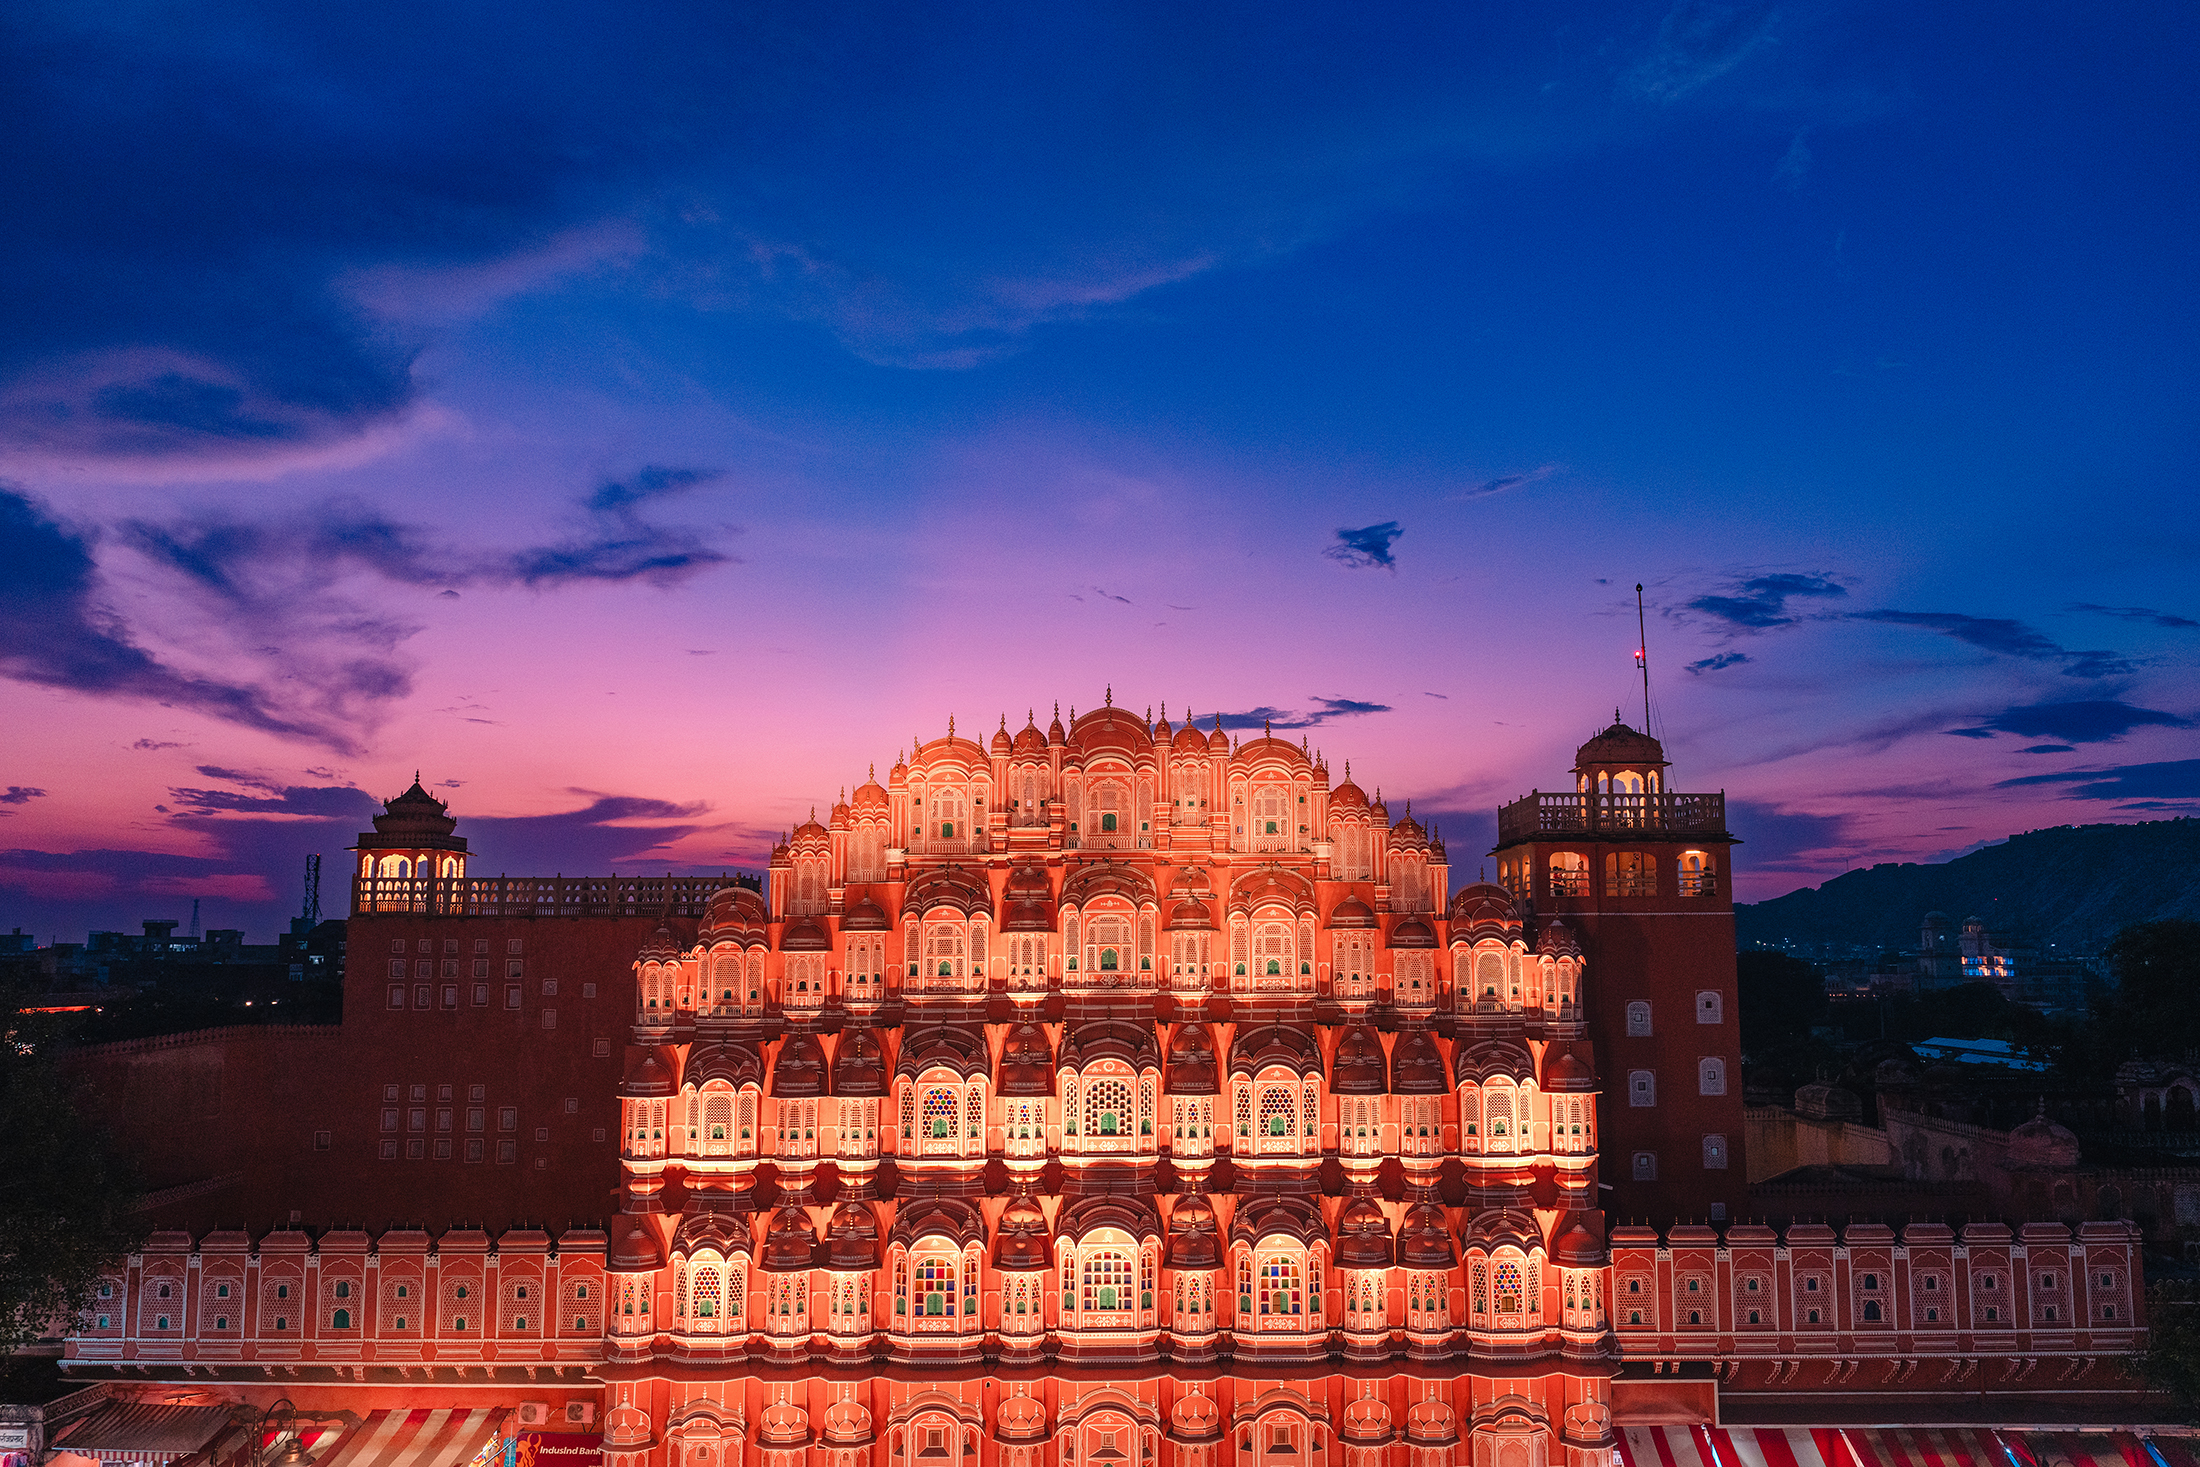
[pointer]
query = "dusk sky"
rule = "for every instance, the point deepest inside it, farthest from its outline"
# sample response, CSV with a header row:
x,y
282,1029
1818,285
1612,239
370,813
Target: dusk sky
x,y
641,419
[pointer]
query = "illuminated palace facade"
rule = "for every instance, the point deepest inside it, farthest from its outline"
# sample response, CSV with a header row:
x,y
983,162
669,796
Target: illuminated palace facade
x,y
1116,1095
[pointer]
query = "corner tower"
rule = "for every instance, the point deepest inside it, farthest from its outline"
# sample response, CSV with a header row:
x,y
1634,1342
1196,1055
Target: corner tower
x,y
412,841
1639,873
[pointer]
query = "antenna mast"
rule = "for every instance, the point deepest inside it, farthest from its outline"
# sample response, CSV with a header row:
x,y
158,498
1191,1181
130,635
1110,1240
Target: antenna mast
x,y
194,919
1642,656
312,909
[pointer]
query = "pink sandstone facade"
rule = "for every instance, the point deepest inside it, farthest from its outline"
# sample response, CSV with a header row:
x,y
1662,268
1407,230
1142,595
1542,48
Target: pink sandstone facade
x,y
1112,1094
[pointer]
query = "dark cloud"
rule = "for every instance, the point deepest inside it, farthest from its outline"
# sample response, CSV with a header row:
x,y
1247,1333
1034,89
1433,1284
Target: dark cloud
x,y
222,555
608,832
319,801
332,666
1777,839
622,546
56,632
2006,638
1323,711
2049,749
21,794
1761,602
2086,722
1504,482
1717,661
152,745
2173,779
1366,548
2144,614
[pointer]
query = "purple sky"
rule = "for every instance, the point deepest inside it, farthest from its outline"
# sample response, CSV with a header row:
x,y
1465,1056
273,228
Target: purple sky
x,y
640,422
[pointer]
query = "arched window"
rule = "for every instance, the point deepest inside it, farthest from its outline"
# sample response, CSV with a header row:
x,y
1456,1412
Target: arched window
x,y
1569,874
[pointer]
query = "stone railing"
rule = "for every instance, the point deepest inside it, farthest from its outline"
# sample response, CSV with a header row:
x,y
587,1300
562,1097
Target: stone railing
x,y
542,896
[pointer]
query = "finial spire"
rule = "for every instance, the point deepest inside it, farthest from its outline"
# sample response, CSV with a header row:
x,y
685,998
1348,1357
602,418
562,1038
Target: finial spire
x,y
1111,695
950,725
1265,730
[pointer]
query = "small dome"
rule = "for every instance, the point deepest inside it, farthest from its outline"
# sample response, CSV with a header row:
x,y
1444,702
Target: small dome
x,y
1363,1235
1218,742
735,914
1417,1065
851,1238
1027,1062
1579,1248
1191,1065
1195,1235
859,1064
790,1246
1822,1102
1001,744
800,1070
1557,940
634,1247
1029,740
1347,796
1412,932
1484,904
736,1064
864,915
2040,1142
1619,747
1188,740
1567,1072
1022,1241
1258,1047
1424,1238
1359,1066
1190,916
1352,912
805,935
658,946
650,1077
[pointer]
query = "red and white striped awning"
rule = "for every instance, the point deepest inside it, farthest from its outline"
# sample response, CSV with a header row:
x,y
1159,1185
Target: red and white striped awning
x,y
2079,1448
132,1431
1702,1446
429,1437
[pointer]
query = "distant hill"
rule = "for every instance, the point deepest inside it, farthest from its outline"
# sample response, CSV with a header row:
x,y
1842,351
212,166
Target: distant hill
x,y
2073,886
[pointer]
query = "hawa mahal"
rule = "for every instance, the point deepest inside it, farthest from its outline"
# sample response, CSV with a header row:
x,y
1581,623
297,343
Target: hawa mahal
x,y
1104,1095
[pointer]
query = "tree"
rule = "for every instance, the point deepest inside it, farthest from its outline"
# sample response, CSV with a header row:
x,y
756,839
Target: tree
x,y
2172,1361
1781,998
67,1197
2157,968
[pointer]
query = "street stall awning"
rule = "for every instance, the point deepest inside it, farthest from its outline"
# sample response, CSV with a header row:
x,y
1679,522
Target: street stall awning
x,y
2077,1449
132,1431
429,1437
1702,1446
1922,1446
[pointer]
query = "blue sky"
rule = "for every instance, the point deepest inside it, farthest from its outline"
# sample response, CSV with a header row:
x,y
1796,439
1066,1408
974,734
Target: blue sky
x,y
642,421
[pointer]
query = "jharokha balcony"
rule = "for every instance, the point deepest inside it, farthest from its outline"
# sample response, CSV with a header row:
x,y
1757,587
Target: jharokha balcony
x,y
1626,816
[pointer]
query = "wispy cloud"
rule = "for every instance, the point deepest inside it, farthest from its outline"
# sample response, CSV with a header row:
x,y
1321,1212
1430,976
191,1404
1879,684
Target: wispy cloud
x,y
2145,614
2005,637
1367,548
56,632
1716,661
1698,42
1793,169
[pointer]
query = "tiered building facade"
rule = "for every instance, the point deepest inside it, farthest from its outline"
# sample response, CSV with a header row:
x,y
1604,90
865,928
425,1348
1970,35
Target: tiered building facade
x,y
1123,1094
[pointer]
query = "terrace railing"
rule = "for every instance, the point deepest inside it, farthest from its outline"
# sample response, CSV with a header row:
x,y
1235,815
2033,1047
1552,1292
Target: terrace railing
x,y
1573,814
541,896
